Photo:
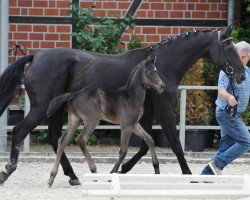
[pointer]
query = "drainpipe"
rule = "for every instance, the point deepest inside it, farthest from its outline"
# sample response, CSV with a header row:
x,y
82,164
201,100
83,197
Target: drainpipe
x,y
4,38
231,12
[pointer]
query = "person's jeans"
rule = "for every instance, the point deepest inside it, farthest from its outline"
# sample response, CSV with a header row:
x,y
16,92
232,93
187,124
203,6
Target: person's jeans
x,y
235,140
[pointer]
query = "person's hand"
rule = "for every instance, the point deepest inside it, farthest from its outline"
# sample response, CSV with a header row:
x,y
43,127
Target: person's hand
x,y
232,101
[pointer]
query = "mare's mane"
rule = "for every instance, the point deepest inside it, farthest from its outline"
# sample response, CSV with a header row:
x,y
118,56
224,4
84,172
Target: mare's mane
x,y
177,37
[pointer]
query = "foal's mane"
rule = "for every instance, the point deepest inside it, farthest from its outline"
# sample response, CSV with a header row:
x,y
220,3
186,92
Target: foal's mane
x,y
125,87
178,37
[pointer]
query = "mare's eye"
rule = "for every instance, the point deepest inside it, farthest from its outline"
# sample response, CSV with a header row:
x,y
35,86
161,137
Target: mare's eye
x,y
229,49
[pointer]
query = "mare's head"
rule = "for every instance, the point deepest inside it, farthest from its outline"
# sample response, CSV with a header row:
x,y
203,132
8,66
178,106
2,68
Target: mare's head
x,y
150,77
224,54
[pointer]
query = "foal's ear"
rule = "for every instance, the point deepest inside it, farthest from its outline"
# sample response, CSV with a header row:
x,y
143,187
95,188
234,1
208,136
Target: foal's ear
x,y
151,59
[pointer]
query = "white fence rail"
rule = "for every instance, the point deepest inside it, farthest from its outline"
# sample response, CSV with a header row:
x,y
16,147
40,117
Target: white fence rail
x,y
182,124
152,186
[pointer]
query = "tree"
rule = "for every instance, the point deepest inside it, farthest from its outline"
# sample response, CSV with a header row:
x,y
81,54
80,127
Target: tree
x,y
102,34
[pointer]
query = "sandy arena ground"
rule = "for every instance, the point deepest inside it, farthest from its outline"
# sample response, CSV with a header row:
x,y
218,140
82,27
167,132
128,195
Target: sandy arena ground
x,y
29,181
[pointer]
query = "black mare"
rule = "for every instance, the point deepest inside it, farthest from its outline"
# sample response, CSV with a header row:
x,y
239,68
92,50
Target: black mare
x,y
56,71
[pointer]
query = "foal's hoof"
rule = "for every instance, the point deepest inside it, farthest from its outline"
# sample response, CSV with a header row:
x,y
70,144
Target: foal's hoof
x,y
74,182
50,183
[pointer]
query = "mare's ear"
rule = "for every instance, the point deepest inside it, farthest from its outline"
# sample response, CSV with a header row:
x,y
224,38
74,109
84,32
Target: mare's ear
x,y
151,59
226,32
229,30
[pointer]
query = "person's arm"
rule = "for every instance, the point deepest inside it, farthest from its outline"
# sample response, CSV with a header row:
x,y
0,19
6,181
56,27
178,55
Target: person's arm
x,y
227,96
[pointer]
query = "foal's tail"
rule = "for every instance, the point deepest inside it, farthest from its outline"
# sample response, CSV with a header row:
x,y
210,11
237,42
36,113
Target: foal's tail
x,y
9,81
58,101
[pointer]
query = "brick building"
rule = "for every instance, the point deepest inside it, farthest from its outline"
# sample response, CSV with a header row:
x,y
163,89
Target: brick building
x,y
41,24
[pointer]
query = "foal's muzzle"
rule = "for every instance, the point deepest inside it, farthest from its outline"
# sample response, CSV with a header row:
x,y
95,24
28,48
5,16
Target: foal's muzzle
x,y
161,88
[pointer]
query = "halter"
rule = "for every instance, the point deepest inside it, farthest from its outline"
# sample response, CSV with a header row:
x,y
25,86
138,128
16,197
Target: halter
x,y
229,69
230,110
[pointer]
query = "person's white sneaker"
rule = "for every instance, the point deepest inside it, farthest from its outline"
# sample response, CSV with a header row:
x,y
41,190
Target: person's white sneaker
x,y
214,168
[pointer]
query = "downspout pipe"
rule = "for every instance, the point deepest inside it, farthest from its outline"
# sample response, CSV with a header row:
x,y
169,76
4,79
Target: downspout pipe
x,y
231,12
4,38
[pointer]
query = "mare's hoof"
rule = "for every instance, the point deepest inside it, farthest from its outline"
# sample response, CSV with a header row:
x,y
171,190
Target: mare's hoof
x,y
74,182
187,172
3,177
122,172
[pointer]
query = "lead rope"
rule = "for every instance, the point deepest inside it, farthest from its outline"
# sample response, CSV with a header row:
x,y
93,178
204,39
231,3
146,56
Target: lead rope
x,y
232,110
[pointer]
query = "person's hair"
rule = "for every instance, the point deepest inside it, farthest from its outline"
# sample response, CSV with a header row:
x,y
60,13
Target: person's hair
x,y
243,47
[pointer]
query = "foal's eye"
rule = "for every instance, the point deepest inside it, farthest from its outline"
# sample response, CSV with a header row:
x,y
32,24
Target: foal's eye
x,y
229,49
150,72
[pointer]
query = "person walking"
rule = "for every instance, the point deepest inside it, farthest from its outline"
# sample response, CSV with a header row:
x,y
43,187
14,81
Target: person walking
x,y
231,102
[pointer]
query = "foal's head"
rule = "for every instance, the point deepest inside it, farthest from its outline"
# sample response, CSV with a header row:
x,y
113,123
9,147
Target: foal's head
x,y
150,77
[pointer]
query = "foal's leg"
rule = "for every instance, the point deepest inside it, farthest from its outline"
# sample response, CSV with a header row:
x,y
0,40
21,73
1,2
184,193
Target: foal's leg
x,y
127,166
20,131
146,121
125,136
62,142
82,139
138,130
55,124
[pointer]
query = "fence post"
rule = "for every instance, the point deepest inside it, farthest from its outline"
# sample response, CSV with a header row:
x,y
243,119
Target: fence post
x,y
26,144
3,132
4,38
183,117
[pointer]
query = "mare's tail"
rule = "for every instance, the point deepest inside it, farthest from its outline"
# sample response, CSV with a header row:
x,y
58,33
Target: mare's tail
x,y
58,101
9,81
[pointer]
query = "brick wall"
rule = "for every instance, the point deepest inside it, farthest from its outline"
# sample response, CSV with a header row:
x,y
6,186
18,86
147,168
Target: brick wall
x,y
41,24
162,10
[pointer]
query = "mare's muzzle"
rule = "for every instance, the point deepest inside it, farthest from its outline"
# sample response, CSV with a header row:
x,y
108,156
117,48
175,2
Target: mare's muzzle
x,y
243,77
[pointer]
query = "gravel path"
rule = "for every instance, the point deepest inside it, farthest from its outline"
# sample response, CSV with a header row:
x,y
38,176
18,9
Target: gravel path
x,y
29,181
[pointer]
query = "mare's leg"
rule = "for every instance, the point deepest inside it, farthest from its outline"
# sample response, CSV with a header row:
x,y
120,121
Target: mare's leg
x,y
164,112
55,124
168,124
20,131
74,123
82,139
125,136
138,130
